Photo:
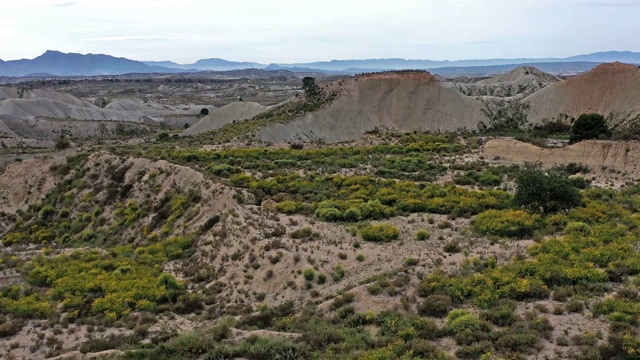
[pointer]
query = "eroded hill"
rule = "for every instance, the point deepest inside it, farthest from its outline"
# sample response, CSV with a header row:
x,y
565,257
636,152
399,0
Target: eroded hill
x,y
612,90
520,82
401,101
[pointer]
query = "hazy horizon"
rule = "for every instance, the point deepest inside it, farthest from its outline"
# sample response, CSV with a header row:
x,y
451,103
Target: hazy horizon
x,y
292,32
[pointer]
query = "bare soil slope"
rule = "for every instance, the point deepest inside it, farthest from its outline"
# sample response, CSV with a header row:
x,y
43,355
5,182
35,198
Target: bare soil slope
x,y
21,185
600,155
609,89
225,115
403,101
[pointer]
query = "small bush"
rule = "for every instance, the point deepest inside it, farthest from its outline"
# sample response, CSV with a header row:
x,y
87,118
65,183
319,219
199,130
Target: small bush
x,y
562,340
502,313
322,278
374,289
423,235
288,207
577,228
562,294
352,215
474,351
338,273
575,306
411,262
452,247
329,214
467,328
436,306
380,233
10,328
342,300
309,274
510,223
224,170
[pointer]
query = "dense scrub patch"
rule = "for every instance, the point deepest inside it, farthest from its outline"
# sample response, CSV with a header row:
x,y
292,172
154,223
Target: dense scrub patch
x,y
86,283
404,157
124,275
339,198
585,261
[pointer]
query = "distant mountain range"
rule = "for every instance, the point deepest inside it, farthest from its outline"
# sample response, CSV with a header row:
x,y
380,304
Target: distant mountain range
x,y
209,64
61,64
55,63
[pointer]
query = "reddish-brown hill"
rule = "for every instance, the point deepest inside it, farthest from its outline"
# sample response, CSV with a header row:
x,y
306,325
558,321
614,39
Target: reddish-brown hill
x,y
611,89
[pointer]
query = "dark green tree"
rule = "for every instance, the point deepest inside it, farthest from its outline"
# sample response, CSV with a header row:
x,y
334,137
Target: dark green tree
x,y
311,90
204,111
589,126
62,142
546,191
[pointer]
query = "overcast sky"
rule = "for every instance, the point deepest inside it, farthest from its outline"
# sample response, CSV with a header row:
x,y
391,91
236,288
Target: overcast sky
x,y
270,31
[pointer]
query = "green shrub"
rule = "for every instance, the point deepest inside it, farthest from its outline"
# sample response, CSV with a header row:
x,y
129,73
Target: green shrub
x,y
360,257
467,328
289,207
510,223
452,247
322,278
47,212
338,273
352,215
380,233
374,289
436,306
547,191
589,126
575,306
224,170
329,214
474,351
309,274
342,300
411,261
9,328
423,235
424,349
501,314
577,227
518,341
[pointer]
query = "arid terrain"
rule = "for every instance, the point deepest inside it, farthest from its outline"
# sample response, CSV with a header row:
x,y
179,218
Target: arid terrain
x,y
274,215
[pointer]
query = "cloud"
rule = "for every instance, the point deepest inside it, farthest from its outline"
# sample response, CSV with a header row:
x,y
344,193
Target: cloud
x,y
127,38
68,3
616,3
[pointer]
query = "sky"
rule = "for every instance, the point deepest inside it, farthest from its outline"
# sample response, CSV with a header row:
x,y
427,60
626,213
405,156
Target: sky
x,y
287,31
